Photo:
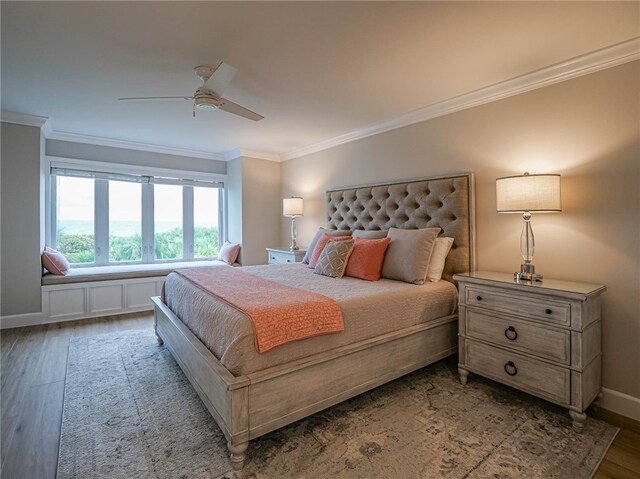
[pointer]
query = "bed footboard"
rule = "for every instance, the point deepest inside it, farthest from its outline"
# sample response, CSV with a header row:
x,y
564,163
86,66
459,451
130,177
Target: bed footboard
x,y
246,407
225,396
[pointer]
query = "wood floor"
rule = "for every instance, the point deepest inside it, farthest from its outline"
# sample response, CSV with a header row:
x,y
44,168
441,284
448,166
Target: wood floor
x,y
33,371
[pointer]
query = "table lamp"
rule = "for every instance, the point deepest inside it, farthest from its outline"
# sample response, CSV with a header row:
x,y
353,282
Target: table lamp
x,y
528,194
293,207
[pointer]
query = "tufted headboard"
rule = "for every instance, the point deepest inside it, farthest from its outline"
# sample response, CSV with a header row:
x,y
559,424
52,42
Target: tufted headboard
x,y
445,201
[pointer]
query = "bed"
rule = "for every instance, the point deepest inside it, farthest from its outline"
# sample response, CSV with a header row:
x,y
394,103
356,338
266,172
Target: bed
x,y
249,394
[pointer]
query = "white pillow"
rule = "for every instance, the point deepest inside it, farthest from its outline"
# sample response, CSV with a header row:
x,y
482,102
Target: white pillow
x,y
438,257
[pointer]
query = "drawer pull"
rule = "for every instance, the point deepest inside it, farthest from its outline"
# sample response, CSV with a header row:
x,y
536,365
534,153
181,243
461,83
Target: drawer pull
x,y
479,298
273,257
548,311
510,369
288,261
511,333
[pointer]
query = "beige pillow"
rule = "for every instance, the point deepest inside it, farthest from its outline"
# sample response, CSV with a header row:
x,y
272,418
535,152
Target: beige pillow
x,y
370,234
334,258
408,255
318,235
438,257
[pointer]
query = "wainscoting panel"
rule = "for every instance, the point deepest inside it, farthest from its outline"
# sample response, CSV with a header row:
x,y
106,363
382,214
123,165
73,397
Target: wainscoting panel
x,y
98,298
106,299
139,294
66,303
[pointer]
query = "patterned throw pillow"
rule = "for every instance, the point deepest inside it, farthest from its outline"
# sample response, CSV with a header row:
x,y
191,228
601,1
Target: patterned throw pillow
x,y
321,231
320,244
334,258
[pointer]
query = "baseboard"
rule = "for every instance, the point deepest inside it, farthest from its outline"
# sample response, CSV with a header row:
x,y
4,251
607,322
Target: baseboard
x,y
35,319
18,320
621,403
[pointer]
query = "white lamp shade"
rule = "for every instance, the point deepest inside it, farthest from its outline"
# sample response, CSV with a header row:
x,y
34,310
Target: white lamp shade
x,y
292,207
528,193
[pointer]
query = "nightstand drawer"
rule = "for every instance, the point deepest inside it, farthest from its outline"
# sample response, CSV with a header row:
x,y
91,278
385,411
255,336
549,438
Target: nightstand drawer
x,y
554,344
281,258
524,305
537,377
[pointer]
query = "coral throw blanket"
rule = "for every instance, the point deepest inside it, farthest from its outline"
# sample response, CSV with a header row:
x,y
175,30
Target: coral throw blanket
x,y
279,313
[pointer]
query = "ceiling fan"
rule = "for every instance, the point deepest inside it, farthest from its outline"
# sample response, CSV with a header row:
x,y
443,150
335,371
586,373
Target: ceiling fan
x,y
209,95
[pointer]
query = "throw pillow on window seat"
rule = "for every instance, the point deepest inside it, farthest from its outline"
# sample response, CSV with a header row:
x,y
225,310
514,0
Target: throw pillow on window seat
x,y
229,252
54,261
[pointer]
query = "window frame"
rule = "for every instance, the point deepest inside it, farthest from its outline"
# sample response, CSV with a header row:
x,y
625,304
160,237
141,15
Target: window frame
x,y
187,179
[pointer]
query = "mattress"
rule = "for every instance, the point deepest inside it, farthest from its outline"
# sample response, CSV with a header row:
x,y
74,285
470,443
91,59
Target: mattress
x,y
369,309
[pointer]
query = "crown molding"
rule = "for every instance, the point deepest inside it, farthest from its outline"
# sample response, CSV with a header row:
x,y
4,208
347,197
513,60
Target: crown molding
x,y
260,155
592,62
23,119
46,129
132,145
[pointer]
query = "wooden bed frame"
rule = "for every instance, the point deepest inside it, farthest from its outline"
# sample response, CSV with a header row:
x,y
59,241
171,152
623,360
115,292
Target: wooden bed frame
x,y
246,407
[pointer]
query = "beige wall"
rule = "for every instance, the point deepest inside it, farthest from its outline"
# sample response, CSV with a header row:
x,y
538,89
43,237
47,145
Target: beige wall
x,y
22,233
586,129
255,207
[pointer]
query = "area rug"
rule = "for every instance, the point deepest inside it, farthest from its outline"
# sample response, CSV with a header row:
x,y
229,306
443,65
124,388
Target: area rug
x,y
129,412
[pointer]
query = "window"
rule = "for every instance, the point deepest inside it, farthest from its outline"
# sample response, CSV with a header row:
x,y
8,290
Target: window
x,y
205,223
101,218
125,221
168,227
74,228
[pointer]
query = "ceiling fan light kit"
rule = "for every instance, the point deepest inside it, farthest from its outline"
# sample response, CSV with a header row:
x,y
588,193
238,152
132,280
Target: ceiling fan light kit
x,y
209,96
206,101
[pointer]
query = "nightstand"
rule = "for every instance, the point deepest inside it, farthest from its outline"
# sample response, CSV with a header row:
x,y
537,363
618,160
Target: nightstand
x,y
285,255
542,338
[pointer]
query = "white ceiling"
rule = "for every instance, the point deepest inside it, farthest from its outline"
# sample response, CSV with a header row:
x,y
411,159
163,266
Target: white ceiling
x,y
315,70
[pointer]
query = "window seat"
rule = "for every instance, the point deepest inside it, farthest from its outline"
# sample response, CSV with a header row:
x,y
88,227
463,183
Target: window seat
x,y
117,272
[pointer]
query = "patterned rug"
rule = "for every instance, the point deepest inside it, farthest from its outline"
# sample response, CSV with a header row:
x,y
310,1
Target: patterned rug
x,y
129,412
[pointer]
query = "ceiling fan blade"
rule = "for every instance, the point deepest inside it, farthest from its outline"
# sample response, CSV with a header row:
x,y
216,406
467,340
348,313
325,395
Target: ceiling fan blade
x,y
236,109
220,79
144,98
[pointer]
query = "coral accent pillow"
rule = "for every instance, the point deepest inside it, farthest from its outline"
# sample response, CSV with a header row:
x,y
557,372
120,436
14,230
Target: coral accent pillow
x,y
229,252
317,236
54,261
367,258
322,242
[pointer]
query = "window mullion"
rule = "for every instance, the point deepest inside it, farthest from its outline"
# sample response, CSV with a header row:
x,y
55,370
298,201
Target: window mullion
x,y
187,222
147,224
101,222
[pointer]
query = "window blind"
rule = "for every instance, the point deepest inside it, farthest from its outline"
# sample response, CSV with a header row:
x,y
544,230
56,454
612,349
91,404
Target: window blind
x,y
158,180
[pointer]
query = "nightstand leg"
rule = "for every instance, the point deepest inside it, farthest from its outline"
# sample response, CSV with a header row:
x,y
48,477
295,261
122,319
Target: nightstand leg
x,y
595,405
464,374
579,420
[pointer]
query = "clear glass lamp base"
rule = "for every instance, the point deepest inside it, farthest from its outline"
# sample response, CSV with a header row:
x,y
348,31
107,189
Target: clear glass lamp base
x,y
527,273
527,248
294,244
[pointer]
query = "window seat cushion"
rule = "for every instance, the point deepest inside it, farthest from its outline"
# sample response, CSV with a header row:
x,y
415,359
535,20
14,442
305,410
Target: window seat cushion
x,y
128,271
